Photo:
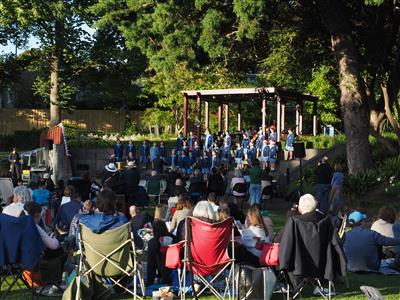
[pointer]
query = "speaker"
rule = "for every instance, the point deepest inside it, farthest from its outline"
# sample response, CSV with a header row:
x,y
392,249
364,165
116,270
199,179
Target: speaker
x,y
299,150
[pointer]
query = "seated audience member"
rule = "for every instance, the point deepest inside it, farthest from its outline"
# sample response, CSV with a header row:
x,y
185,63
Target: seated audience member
x,y
138,219
234,210
170,179
174,199
363,247
66,213
223,213
216,183
204,211
68,192
180,186
183,208
34,209
87,208
120,205
308,209
22,195
238,179
197,186
255,231
385,220
104,218
41,195
212,199
156,257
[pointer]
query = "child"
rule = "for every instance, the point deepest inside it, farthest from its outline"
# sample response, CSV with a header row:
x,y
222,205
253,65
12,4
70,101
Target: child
x,y
289,144
191,140
251,153
264,156
118,151
162,151
225,155
205,163
208,141
144,154
173,160
131,148
273,136
184,163
228,138
153,154
215,161
196,151
179,143
184,147
273,154
238,155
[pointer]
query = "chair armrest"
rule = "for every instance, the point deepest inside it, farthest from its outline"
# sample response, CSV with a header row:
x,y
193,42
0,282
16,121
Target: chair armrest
x,y
173,257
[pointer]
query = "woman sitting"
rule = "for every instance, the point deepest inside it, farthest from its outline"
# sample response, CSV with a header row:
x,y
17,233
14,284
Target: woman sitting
x,y
238,184
204,212
183,208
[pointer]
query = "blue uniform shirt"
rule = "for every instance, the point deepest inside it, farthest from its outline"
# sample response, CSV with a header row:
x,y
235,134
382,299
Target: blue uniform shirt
x,y
131,148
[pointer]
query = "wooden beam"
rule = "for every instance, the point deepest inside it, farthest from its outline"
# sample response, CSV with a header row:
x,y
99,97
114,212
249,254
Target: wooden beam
x,y
185,104
206,115
263,112
283,106
219,117
301,117
239,117
198,120
226,117
278,118
315,122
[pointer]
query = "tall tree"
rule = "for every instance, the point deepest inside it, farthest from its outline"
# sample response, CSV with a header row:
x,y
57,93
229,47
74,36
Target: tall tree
x,y
57,24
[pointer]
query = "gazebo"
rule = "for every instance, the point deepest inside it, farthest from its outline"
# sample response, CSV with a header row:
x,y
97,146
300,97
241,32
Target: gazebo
x,y
226,97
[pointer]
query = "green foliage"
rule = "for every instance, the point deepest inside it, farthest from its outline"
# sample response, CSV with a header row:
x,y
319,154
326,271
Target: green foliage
x,y
250,15
324,141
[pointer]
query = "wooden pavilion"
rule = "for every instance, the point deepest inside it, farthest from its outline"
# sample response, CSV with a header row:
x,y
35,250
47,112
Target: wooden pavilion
x,y
226,97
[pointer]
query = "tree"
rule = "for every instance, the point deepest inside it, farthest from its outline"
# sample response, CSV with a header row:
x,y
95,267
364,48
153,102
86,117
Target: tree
x,y
57,25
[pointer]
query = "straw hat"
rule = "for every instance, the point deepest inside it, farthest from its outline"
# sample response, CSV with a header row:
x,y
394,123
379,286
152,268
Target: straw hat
x,y
111,167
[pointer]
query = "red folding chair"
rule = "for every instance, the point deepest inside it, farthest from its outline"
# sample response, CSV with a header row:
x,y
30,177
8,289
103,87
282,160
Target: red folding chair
x,y
206,257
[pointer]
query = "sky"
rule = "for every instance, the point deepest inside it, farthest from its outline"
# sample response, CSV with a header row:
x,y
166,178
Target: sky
x,y
34,43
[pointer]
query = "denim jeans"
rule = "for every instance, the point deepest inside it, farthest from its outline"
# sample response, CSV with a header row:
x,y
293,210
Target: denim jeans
x,y
322,195
255,193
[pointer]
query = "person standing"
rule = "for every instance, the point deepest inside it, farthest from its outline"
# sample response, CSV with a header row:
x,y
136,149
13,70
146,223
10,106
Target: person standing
x,y
13,158
209,140
153,154
144,154
323,177
131,182
289,144
336,200
131,148
179,143
118,151
255,182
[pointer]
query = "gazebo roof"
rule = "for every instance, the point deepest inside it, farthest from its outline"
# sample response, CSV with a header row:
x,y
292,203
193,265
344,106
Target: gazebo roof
x,y
240,94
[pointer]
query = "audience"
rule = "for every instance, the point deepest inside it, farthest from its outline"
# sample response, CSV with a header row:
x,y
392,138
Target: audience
x,y
363,246
22,195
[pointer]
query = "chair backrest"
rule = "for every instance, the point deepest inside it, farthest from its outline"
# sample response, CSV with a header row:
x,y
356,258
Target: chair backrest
x,y
153,187
110,252
6,189
20,241
240,188
209,244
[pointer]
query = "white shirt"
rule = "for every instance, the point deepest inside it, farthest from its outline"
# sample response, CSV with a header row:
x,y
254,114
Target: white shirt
x,y
214,206
249,238
65,200
48,241
383,228
14,209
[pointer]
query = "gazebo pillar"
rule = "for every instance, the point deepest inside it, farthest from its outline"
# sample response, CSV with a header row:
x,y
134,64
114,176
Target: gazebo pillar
x,y
226,117
314,117
301,118
297,117
206,115
219,117
185,104
283,106
278,118
239,117
198,119
263,112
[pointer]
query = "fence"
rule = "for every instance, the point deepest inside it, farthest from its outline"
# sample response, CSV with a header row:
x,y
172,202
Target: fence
x,y
14,119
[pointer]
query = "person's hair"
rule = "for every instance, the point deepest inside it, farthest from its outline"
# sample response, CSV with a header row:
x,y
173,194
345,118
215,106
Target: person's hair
x,y
32,208
41,183
388,214
307,203
238,173
60,183
69,190
183,202
86,176
159,228
213,170
204,211
49,185
23,194
197,173
338,167
212,197
223,203
88,205
159,212
76,196
223,213
106,202
120,204
255,217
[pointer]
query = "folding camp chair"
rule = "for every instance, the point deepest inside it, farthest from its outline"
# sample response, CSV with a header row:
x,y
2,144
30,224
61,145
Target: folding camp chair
x,y
206,257
20,250
110,255
153,188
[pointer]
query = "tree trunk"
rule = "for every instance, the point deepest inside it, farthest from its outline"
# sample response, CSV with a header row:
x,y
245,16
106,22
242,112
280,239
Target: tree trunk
x,y
56,59
353,97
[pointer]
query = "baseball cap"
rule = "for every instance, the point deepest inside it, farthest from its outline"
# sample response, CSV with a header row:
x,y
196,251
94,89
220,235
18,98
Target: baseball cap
x,y
356,217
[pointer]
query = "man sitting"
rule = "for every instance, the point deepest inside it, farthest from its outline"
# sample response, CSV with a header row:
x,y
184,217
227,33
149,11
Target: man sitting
x,y
363,247
66,213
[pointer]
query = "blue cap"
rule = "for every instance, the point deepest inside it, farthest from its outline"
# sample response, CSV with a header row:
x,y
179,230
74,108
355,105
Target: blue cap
x,y
356,217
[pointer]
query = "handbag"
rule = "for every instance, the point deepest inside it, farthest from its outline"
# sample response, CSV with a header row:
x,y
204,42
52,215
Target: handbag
x,y
270,255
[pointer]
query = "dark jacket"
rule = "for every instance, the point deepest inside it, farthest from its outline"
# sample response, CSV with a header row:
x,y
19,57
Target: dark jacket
x,y
311,249
216,184
323,174
131,180
66,213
